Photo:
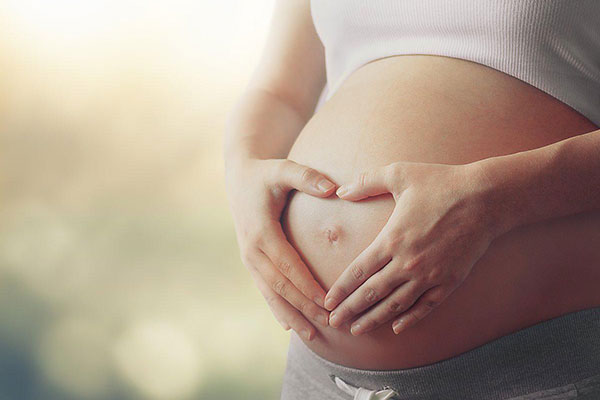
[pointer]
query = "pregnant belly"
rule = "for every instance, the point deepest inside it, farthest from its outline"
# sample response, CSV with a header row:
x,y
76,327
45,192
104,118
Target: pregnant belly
x,y
441,110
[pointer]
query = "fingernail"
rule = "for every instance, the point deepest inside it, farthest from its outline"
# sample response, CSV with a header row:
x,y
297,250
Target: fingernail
x,y
342,190
305,334
329,303
322,319
324,185
332,319
355,329
398,325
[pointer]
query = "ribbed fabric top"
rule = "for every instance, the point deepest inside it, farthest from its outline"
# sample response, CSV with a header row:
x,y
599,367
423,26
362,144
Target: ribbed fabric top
x,y
554,45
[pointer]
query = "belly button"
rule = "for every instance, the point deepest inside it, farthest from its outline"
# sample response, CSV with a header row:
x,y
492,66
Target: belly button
x,y
332,234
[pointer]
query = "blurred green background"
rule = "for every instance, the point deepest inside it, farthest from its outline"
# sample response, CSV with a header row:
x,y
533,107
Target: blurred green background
x,y
120,276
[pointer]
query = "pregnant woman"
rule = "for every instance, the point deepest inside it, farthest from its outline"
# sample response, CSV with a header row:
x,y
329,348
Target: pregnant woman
x,y
416,192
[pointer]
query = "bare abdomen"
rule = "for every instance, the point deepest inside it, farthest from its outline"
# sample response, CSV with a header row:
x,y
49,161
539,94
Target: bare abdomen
x,y
442,110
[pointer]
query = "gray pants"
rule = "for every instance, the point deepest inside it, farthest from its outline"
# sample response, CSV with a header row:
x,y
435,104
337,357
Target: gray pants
x,y
555,359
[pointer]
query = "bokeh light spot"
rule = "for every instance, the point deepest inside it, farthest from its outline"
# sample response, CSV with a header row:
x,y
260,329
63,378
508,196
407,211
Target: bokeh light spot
x,y
158,359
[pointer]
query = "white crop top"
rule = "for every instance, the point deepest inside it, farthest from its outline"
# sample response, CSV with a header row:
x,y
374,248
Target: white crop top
x,y
553,45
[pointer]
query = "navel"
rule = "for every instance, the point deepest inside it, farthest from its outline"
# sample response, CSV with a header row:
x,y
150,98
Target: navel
x,y
332,233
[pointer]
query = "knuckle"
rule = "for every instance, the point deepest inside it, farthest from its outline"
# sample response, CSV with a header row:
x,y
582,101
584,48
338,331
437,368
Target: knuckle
x,y
280,287
357,272
362,178
395,306
425,307
395,173
371,295
392,242
393,168
430,304
308,175
434,275
285,267
304,307
414,263
418,315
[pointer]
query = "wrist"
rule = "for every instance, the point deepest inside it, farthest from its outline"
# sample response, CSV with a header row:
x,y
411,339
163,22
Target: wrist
x,y
498,204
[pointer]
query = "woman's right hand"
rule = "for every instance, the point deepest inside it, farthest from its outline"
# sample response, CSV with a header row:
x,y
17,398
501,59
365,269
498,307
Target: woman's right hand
x,y
257,192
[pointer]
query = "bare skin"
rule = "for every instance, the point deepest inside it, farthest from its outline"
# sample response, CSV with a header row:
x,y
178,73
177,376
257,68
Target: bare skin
x,y
280,98
451,112
427,110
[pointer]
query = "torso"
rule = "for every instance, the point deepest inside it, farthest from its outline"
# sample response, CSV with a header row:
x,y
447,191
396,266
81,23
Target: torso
x,y
440,110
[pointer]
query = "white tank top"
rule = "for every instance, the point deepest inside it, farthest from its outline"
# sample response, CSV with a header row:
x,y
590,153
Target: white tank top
x,y
553,45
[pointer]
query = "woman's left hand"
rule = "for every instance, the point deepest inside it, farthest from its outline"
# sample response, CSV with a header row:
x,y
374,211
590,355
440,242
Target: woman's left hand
x,y
438,230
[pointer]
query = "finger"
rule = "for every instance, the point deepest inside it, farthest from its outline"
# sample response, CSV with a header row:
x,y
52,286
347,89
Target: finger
x,y
429,301
271,298
372,182
284,288
287,316
371,260
283,255
399,300
376,288
305,179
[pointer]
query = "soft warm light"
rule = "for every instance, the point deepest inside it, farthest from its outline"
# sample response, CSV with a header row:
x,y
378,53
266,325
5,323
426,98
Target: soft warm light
x,y
159,359
73,355
207,32
113,206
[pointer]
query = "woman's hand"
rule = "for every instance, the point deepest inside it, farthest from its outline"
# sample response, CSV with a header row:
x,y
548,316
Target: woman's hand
x,y
438,230
257,192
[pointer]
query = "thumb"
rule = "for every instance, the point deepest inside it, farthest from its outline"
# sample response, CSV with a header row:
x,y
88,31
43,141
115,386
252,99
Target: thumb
x,y
368,183
306,179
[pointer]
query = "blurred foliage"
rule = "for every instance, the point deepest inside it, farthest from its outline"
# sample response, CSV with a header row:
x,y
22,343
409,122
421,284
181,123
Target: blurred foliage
x,y
120,276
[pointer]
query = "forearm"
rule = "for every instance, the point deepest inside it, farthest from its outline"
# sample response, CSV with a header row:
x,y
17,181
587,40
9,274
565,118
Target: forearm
x,y
556,180
262,126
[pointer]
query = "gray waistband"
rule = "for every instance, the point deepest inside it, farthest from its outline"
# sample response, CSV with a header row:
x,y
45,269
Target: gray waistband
x,y
549,354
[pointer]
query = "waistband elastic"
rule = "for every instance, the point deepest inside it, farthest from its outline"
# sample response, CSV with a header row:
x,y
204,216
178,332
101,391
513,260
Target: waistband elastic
x,y
551,353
